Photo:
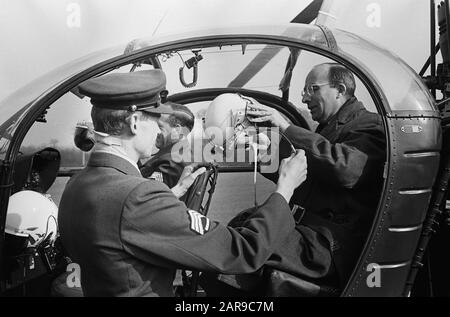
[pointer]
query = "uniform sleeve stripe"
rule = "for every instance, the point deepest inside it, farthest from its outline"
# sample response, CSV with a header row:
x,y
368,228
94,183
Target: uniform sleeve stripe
x,y
199,223
206,223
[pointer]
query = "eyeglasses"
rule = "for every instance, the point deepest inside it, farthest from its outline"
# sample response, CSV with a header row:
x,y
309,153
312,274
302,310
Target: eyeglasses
x,y
312,88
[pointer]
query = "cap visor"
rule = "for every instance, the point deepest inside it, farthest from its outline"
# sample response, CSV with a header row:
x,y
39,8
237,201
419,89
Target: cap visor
x,y
161,109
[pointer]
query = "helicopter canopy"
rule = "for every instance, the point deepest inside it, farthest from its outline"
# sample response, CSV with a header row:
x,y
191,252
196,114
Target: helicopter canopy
x,y
401,88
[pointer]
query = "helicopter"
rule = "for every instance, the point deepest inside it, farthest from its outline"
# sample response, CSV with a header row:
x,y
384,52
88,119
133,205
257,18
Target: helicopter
x,y
401,243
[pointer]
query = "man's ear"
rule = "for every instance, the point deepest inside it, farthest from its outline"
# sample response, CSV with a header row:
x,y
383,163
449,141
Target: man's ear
x,y
134,121
342,89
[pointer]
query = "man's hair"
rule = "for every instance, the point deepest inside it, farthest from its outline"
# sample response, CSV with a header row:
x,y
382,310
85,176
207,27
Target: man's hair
x,y
338,74
182,116
115,122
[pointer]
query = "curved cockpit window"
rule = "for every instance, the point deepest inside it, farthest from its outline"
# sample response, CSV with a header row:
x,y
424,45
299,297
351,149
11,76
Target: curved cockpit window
x,y
15,106
402,87
253,66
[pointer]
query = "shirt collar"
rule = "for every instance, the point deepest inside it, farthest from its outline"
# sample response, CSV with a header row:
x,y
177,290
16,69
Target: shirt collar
x,y
104,159
112,145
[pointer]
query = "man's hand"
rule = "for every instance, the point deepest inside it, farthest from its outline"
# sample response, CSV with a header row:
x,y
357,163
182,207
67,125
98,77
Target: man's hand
x,y
187,178
292,172
259,113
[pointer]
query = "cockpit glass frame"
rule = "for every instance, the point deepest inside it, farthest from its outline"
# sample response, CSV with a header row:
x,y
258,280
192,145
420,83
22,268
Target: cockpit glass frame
x,y
402,87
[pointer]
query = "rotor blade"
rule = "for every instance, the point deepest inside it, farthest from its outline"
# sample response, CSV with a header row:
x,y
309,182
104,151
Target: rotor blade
x,y
259,61
309,13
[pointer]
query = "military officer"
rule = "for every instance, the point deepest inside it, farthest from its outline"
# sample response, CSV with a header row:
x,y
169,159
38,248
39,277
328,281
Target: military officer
x,y
129,234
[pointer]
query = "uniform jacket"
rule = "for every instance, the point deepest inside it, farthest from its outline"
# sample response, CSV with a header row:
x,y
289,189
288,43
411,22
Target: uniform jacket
x,y
345,174
163,167
129,234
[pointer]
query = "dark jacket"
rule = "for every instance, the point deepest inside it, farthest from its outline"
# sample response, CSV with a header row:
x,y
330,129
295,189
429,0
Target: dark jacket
x,y
345,174
163,167
129,234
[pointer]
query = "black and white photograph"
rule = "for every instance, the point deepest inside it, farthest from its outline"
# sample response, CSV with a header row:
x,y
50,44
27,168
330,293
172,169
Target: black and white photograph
x,y
223,153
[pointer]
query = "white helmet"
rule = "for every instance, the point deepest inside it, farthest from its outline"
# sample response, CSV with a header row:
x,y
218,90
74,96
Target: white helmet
x,y
32,215
227,114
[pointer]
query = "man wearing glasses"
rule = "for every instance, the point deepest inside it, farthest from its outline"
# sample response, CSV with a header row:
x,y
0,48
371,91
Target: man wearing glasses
x,y
345,157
